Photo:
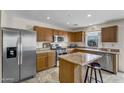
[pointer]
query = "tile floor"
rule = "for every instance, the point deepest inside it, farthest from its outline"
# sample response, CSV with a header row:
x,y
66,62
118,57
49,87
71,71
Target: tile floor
x,y
52,76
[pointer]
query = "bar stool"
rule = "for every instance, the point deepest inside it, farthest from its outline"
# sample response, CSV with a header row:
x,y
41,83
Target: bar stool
x,y
94,66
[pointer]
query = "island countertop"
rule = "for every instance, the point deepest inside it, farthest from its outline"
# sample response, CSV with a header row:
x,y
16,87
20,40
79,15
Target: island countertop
x,y
80,58
99,50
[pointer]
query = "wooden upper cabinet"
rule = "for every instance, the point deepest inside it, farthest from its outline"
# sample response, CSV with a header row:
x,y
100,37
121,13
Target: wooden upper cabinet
x,y
76,36
83,36
65,33
61,33
43,34
48,35
40,33
109,34
55,32
71,36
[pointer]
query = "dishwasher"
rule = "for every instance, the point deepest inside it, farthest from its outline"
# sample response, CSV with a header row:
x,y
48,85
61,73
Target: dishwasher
x,y
106,62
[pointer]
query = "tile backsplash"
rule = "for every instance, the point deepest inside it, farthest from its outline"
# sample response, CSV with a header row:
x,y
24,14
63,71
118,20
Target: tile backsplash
x,y
63,44
40,44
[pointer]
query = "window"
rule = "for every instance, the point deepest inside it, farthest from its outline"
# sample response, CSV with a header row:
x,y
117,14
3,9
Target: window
x,y
93,39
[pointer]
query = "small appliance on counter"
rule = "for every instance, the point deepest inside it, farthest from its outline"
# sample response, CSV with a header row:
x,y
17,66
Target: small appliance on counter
x,y
54,46
43,46
46,45
73,46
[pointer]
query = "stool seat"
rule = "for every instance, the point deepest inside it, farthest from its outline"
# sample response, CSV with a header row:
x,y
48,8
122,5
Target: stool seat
x,y
95,65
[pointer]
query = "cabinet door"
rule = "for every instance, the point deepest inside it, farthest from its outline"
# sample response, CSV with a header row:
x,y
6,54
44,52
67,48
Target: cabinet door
x,y
105,35
40,33
48,35
109,34
65,34
69,36
42,61
51,59
76,36
73,37
61,33
79,36
55,32
83,36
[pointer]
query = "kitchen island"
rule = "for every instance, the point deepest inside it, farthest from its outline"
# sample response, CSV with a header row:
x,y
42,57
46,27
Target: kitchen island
x,y
109,61
72,66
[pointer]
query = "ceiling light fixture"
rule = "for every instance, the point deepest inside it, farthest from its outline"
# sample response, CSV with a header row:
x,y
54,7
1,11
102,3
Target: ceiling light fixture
x,y
89,15
68,23
90,24
48,18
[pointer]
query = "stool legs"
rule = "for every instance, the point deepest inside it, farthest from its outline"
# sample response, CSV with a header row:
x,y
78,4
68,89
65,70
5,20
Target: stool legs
x,y
95,75
91,74
93,69
86,75
100,76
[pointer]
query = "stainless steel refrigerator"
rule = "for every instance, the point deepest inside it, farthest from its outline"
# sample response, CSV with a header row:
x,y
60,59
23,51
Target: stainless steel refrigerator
x,y
19,54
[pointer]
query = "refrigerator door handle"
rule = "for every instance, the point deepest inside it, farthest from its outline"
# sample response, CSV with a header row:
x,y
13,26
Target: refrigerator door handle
x,y
18,51
21,51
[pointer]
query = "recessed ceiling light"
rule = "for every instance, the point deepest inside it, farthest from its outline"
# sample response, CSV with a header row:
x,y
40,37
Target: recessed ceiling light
x,y
68,23
90,24
47,17
89,15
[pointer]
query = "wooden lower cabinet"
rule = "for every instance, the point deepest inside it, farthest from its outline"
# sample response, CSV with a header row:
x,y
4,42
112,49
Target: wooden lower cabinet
x,y
46,60
42,61
51,59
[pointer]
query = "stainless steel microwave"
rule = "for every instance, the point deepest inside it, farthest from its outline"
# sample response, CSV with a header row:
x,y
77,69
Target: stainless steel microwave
x,y
57,38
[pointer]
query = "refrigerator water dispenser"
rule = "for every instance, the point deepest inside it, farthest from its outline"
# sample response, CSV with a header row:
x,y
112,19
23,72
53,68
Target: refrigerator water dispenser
x,y
11,52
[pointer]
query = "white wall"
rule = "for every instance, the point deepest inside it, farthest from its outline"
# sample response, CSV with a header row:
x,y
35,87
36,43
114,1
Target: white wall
x,y
118,45
0,50
22,23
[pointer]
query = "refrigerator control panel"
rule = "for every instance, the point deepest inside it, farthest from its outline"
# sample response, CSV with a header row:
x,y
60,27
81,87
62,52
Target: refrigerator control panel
x,y
11,52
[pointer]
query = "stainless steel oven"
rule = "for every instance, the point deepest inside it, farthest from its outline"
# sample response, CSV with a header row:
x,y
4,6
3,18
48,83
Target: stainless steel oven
x,y
57,38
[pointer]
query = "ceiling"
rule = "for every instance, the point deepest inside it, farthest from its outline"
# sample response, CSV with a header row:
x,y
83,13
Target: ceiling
x,y
69,19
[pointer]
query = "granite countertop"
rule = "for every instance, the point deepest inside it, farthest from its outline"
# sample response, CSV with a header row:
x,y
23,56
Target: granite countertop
x,y
44,51
99,50
80,58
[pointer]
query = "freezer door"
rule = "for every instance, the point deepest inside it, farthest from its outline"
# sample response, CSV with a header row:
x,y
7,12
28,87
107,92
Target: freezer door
x,y
28,54
10,65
